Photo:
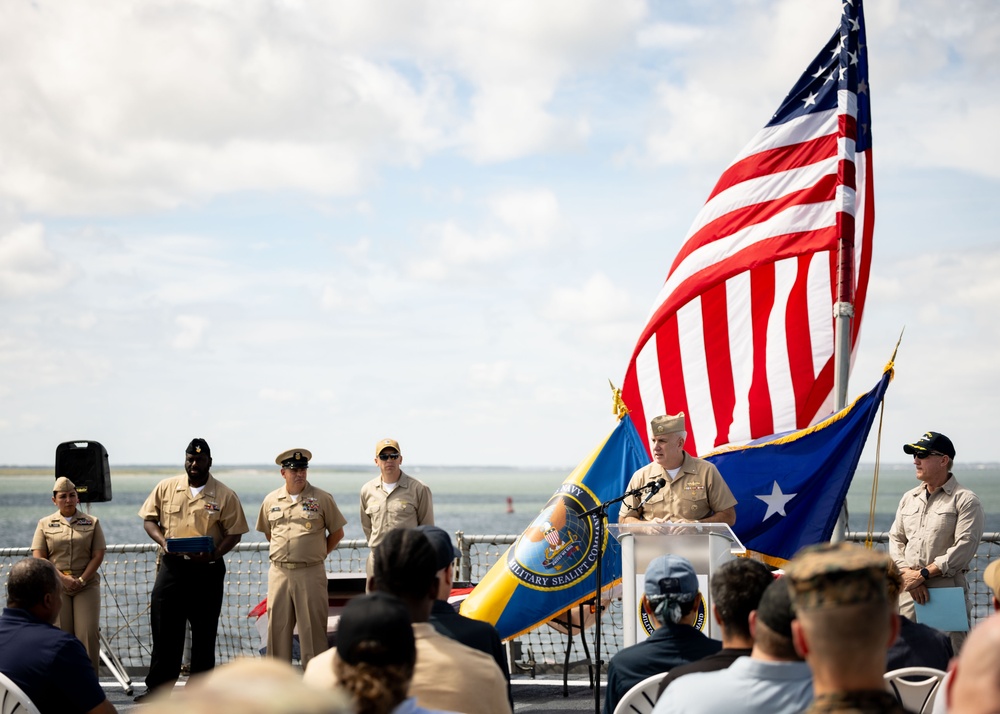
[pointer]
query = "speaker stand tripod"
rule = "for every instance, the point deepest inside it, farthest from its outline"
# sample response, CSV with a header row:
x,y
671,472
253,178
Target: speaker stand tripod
x,y
115,665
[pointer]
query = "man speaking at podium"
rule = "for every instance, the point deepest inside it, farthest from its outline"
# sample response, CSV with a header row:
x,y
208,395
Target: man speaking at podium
x,y
677,487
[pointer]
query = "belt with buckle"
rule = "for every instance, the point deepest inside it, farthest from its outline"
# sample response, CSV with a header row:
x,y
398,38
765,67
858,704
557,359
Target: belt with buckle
x,y
293,566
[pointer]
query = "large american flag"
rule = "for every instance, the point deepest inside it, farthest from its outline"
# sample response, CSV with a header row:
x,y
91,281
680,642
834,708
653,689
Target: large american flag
x,y
741,336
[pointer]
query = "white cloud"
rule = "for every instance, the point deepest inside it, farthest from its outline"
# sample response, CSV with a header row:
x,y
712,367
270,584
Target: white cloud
x,y
596,301
190,331
28,267
113,107
518,223
668,35
489,374
281,396
83,321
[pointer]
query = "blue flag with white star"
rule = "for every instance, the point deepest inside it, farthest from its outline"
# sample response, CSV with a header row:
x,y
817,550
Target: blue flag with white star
x,y
791,486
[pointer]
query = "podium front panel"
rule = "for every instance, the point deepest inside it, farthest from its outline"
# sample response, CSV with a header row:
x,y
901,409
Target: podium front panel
x,y
706,545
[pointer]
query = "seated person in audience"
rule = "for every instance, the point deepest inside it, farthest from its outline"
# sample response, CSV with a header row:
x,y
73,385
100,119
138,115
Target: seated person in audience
x,y
772,680
376,653
448,675
51,666
991,578
478,635
670,600
736,590
917,645
974,684
843,626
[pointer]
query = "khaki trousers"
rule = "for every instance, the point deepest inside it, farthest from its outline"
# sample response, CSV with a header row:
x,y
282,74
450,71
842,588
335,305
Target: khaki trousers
x,y
297,597
81,616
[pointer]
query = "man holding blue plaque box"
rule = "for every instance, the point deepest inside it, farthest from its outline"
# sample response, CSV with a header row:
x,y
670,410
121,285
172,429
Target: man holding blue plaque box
x,y
189,585
937,529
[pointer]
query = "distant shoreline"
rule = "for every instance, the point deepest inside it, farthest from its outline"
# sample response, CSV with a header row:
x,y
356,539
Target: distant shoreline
x,y
6,469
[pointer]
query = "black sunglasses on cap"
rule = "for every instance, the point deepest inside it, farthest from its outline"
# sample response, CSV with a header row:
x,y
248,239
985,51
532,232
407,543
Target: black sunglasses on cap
x,y
388,457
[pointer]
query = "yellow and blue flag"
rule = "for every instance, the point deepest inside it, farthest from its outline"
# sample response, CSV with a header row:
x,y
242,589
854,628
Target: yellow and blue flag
x,y
552,565
791,486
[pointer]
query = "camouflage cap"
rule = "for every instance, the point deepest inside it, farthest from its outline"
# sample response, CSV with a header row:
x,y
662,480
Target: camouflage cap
x,y
667,424
836,574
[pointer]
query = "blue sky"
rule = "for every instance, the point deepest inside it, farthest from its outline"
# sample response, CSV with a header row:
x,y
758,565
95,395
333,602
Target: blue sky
x,y
279,224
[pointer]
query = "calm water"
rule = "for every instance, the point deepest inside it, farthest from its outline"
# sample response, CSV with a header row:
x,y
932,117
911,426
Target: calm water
x,y
468,499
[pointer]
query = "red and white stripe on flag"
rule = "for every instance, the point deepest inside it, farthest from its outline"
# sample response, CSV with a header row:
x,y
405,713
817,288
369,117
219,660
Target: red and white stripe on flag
x,y
741,336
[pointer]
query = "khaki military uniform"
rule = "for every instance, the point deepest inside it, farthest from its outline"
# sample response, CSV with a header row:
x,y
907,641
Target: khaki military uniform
x,y
70,547
296,581
408,506
188,591
698,491
216,511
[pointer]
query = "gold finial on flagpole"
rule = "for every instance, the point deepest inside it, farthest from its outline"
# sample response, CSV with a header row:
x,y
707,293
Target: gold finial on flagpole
x,y
618,407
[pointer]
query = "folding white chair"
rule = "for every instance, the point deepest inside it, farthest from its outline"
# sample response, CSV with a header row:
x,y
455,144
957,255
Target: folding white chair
x,y
914,687
641,698
13,700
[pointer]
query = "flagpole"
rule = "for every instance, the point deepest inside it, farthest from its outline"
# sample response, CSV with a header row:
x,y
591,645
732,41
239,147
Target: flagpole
x,y
843,309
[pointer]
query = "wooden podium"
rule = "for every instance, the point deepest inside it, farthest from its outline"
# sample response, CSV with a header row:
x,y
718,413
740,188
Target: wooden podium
x,y
706,545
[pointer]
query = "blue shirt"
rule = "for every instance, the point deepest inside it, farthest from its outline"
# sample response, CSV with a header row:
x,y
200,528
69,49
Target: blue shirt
x,y
748,686
50,665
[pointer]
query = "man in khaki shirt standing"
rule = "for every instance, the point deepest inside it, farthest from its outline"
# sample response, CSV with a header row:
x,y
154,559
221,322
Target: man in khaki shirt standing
x,y
693,489
937,528
303,524
189,587
393,499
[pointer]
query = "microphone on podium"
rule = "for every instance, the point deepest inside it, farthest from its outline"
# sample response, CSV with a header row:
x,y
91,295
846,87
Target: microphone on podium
x,y
654,488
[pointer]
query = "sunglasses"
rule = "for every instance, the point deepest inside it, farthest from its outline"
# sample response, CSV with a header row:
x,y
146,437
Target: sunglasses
x,y
925,454
388,457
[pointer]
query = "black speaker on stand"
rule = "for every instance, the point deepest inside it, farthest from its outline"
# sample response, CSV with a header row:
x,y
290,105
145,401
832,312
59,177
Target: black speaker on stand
x,y
85,463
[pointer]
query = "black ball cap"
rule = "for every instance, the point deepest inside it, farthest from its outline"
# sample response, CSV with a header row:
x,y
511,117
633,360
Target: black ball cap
x,y
376,629
931,441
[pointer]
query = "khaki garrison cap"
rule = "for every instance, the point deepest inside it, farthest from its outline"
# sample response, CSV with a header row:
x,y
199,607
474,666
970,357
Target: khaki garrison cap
x,y
836,574
294,459
667,424
62,485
